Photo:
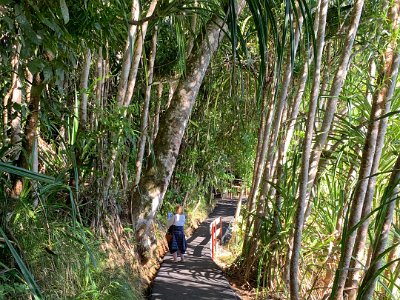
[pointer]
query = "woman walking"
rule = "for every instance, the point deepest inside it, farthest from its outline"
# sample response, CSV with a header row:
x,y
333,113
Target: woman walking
x,y
178,243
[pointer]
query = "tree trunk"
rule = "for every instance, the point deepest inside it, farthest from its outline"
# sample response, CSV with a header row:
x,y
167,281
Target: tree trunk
x,y
286,80
127,57
157,113
145,111
336,88
16,98
32,122
147,197
83,89
381,98
358,252
137,56
299,218
382,233
263,138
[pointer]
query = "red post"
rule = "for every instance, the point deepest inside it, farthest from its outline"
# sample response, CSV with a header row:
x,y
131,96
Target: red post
x,y
220,233
212,240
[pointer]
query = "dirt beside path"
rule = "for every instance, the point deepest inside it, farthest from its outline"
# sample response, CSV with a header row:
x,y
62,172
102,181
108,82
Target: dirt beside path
x,y
198,277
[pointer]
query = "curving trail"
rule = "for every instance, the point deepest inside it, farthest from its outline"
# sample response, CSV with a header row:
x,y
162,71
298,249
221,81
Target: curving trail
x,y
198,277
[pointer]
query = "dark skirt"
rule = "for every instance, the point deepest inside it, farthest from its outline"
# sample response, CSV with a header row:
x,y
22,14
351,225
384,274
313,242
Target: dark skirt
x,y
178,241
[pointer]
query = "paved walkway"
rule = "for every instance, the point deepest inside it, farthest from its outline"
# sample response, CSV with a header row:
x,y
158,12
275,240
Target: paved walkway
x,y
198,277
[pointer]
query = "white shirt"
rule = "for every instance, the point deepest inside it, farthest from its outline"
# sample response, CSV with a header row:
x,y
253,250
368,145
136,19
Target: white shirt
x,y
177,220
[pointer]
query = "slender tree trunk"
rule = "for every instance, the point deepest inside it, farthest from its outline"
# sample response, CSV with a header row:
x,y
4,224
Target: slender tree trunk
x,y
32,121
287,79
16,99
137,56
83,89
336,88
299,218
295,107
264,132
145,111
172,87
382,233
157,113
193,23
381,98
147,197
239,204
358,252
127,57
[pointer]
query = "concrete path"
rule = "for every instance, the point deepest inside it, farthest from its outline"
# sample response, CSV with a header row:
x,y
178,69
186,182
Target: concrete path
x,y
198,277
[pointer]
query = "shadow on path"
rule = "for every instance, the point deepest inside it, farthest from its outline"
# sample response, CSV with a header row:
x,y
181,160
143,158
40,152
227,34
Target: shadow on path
x,y
198,277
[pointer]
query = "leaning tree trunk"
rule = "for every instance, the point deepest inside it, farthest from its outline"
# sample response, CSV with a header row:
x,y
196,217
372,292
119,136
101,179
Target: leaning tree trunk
x,y
358,252
137,56
127,57
299,219
147,197
379,105
384,221
336,88
263,138
145,111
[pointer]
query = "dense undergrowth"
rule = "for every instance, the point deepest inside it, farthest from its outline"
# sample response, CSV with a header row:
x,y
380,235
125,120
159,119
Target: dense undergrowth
x,y
62,259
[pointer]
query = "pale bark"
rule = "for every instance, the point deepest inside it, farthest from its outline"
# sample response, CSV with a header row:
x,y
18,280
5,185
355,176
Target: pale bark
x,y
172,87
261,176
382,233
15,94
257,170
358,252
336,88
379,105
299,218
193,23
151,189
287,79
83,89
295,107
239,204
157,113
127,56
145,111
100,77
137,56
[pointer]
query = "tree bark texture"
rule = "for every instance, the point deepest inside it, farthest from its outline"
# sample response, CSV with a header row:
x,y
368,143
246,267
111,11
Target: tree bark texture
x,y
360,243
127,57
32,121
137,56
382,234
379,106
301,205
147,197
15,93
336,88
145,111
157,113
83,89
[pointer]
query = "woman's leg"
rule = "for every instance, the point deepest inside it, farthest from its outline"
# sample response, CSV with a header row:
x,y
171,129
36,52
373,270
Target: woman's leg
x,y
175,256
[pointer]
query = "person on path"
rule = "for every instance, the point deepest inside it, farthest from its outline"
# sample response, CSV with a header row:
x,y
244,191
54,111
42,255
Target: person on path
x,y
178,243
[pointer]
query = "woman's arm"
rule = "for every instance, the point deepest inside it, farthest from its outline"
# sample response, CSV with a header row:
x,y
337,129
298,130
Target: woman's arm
x,y
171,221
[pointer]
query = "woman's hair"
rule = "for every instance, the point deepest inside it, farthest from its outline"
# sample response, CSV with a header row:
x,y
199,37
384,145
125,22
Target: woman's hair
x,y
179,209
